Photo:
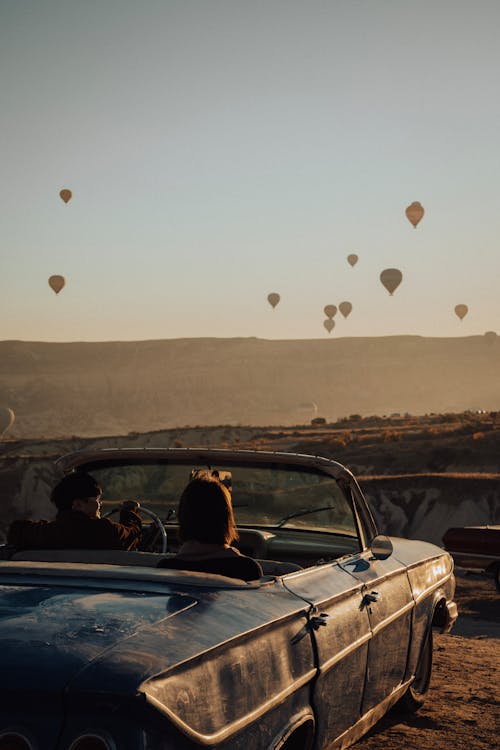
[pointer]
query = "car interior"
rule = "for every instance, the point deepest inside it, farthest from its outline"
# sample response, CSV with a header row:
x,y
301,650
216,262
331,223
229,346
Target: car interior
x,y
287,518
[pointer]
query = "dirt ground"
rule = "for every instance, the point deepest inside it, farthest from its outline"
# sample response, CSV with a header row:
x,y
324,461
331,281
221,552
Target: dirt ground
x,y
462,711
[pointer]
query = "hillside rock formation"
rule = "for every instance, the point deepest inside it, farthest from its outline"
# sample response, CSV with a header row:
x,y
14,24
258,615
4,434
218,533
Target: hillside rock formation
x,y
413,505
425,506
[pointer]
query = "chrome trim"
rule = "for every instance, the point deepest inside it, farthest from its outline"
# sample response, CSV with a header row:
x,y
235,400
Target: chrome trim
x,y
120,574
71,461
451,617
235,726
347,738
108,743
14,733
379,579
288,578
329,663
384,623
364,514
432,588
322,567
295,722
426,560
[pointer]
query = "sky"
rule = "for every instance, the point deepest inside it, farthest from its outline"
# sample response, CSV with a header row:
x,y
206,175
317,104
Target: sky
x,y
220,150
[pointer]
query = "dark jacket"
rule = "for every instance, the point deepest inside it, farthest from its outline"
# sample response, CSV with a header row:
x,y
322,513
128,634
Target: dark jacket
x,y
244,568
72,529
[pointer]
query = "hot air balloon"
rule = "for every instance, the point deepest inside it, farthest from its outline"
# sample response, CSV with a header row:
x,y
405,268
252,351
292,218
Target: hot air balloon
x,y
345,308
273,299
56,283
7,418
307,409
329,324
65,194
352,259
490,336
391,278
414,213
330,311
461,311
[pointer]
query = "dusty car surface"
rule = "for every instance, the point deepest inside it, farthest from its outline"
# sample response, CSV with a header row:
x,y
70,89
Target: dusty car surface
x,y
102,650
475,548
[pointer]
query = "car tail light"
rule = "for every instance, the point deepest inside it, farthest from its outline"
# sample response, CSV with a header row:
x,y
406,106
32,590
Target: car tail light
x,y
91,742
14,741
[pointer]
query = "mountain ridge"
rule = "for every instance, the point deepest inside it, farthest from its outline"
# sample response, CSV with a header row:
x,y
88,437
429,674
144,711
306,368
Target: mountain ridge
x,y
94,388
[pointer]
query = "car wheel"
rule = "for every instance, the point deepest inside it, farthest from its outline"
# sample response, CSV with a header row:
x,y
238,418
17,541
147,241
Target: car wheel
x,y
416,694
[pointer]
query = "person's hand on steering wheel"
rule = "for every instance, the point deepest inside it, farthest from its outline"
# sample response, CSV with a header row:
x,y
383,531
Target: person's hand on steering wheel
x,y
130,505
155,538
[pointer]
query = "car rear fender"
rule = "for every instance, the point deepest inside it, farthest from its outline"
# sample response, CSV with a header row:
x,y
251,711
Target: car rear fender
x,y
298,734
444,612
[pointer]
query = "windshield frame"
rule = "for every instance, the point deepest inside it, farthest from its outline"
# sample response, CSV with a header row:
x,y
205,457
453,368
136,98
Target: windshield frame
x,y
110,457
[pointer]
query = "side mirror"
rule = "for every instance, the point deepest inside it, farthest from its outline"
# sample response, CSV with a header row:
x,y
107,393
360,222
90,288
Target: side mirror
x,y
381,547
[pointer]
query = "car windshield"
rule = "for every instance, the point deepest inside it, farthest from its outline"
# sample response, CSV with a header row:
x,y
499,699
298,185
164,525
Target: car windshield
x,y
272,497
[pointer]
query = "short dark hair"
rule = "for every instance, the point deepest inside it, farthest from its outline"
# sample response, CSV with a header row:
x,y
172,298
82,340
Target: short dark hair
x,y
75,486
206,513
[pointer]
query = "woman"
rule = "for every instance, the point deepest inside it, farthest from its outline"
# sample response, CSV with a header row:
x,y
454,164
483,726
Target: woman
x,y
207,530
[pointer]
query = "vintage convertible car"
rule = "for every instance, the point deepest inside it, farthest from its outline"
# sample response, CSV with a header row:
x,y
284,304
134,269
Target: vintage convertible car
x,y
475,548
102,650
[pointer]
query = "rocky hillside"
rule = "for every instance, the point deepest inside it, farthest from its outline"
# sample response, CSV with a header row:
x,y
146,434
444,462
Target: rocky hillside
x,y
424,506
420,475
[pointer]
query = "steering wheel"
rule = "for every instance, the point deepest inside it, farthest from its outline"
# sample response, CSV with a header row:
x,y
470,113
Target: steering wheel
x,y
148,542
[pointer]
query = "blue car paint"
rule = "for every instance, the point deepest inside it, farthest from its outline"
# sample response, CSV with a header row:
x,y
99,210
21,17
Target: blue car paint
x,y
91,650
173,667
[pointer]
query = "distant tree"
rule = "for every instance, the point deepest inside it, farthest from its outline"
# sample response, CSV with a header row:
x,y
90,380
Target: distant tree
x,y
391,436
373,420
338,442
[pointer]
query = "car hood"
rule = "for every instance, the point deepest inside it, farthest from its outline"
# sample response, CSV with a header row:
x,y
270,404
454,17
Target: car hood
x,y
48,634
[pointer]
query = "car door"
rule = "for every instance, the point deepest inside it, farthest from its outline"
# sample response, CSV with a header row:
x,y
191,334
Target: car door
x,y
341,629
387,599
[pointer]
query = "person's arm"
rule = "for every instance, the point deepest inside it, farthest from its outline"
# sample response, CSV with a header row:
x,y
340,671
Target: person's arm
x,y
127,533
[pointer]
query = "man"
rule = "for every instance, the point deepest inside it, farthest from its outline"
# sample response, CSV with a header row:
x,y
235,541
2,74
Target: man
x,y
78,524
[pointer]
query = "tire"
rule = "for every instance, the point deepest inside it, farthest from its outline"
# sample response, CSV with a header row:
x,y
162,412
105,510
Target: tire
x,y
415,696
